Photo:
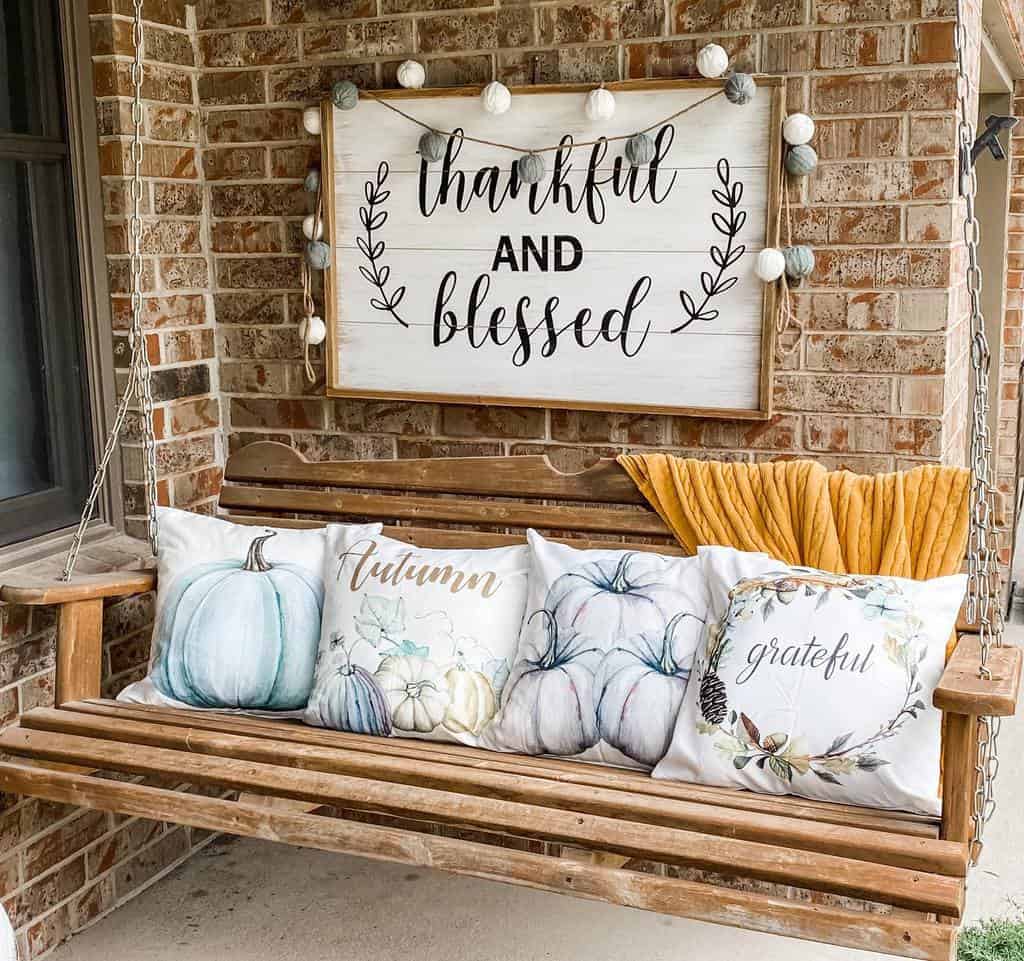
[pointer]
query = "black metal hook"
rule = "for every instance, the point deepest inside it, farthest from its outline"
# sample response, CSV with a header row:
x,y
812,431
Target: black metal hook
x,y
989,138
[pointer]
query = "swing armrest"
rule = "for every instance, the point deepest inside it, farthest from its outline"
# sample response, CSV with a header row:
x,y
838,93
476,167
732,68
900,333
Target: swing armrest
x,y
962,691
43,591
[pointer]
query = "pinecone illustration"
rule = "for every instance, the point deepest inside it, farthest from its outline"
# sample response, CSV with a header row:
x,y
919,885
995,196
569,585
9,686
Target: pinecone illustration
x,y
712,698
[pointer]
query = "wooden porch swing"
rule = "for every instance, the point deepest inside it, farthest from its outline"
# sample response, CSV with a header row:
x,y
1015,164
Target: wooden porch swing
x,y
878,881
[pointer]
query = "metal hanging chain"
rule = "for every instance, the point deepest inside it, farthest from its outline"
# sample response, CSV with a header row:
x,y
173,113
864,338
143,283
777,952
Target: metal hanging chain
x,y
984,595
138,384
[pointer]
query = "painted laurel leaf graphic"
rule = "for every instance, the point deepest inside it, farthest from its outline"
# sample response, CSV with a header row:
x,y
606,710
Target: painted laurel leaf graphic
x,y
729,224
373,217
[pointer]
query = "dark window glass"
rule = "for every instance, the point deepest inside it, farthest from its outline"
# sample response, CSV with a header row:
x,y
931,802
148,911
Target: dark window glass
x,y
44,432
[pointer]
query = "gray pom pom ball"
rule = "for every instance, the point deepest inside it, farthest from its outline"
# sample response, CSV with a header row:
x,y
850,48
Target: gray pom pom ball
x,y
432,146
799,261
740,88
344,95
801,160
531,168
312,181
318,255
639,149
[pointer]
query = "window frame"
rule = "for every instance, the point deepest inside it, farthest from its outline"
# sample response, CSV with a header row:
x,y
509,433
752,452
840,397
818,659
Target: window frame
x,y
77,143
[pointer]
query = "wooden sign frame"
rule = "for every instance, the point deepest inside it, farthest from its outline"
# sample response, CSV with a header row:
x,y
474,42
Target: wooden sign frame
x,y
772,85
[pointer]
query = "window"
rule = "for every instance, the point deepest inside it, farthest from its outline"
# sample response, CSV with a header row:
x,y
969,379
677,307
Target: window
x,y
45,433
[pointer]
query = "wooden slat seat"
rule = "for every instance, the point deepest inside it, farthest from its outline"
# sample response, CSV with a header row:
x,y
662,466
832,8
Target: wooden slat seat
x,y
881,881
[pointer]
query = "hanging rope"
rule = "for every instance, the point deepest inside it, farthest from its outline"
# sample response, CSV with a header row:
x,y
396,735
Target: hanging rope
x,y
138,385
308,304
384,102
984,594
787,316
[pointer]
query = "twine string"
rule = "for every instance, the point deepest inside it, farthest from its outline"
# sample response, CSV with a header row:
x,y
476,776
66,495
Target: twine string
x,y
527,150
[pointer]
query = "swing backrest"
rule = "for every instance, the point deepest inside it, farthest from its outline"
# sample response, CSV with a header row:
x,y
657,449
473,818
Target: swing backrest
x,y
445,502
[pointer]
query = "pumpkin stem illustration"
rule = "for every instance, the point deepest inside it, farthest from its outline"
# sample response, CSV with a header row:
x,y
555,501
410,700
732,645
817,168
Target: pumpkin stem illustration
x,y
668,661
619,584
255,561
550,655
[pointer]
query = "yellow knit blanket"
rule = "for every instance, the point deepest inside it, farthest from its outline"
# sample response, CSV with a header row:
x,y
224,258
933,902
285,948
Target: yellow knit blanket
x,y
908,524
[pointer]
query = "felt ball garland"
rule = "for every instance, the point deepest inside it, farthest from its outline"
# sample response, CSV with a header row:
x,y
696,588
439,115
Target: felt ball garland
x,y
530,168
312,182
318,255
344,95
771,264
797,129
311,120
801,160
740,89
799,261
712,61
496,98
639,149
411,75
600,104
432,146
312,227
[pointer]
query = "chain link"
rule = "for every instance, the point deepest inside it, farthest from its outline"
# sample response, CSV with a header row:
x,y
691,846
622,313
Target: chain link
x,y
984,594
138,384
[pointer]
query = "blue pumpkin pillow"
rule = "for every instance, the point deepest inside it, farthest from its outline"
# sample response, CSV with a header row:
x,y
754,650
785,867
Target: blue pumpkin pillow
x,y
604,656
416,642
237,616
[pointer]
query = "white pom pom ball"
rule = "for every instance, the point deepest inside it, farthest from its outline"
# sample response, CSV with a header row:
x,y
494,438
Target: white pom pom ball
x,y
313,227
797,129
712,61
771,264
411,74
312,330
600,104
496,98
311,120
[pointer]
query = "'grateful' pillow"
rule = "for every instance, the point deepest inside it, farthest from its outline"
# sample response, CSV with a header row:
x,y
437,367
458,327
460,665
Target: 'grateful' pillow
x,y
237,616
416,642
604,655
817,684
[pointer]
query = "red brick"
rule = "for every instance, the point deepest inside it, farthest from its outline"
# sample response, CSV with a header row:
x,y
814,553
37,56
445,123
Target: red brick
x,y
249,48
933,42
860,47
283,412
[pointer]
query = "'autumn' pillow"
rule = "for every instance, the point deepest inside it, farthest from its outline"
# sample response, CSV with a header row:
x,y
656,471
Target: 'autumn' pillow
x,y
604,655
817,684
415,642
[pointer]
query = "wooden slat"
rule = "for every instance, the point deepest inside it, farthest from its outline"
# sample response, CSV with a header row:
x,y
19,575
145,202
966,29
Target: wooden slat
x,y
437,537
38,591
902,936
529,476
79,650
451,510
962,691
554,769
860,879
786,832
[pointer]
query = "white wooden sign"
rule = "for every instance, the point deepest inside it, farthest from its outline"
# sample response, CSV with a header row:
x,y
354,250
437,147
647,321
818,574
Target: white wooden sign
x,y
602,287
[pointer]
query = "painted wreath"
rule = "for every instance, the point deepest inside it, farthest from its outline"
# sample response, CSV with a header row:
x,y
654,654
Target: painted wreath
x,y
739,737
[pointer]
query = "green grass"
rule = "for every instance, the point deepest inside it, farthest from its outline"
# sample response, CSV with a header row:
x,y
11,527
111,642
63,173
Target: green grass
x,y
998,940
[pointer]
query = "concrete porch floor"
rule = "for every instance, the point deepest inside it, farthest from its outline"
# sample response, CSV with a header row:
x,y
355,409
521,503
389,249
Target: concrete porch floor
x,y
243,900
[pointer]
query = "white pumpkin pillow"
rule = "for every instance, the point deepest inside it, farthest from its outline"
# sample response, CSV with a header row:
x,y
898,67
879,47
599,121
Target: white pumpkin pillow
x,y
817,684
237,616
416,642
604,656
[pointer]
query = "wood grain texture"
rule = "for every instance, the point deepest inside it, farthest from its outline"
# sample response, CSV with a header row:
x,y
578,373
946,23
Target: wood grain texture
x,y
716,367
224,768
482,780
962,690
36,591
959,771
912,937
558,770
79,671
604,481
452,510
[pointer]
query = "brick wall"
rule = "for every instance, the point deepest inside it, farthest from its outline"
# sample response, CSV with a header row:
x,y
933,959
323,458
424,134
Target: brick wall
x,y
868,386
878,381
